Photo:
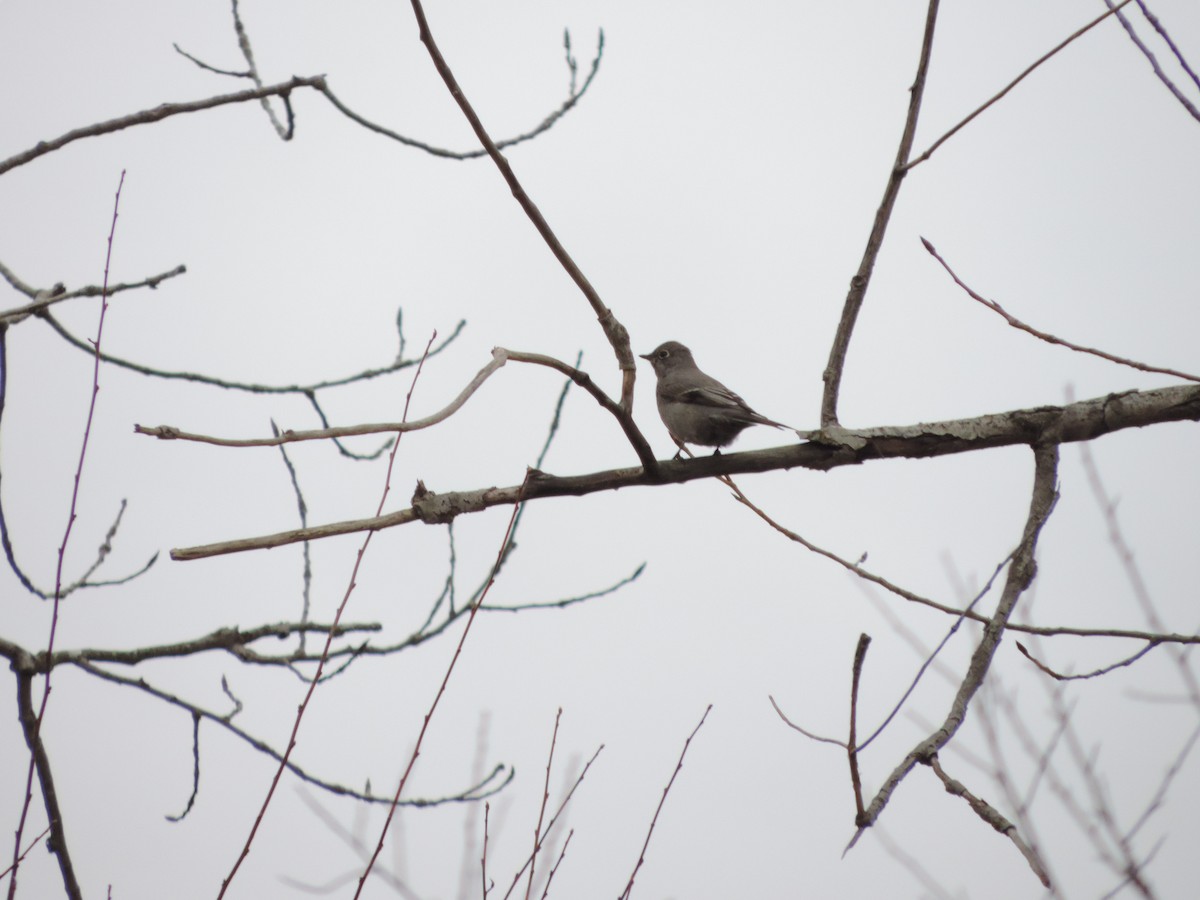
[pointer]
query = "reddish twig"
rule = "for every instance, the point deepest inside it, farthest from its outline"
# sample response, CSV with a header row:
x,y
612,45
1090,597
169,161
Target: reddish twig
x,y
245,851
554,818
662,801
537,831
58,837
25,852
487,810
558,862
992,816
157,114
1021,572
412,760
1049,338
1074,422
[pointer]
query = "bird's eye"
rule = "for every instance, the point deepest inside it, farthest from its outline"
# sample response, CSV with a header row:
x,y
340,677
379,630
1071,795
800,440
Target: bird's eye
x,y
663,354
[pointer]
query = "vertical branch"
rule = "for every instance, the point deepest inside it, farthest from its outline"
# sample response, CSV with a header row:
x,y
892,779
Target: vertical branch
x,y
412,760
860,654
625,894
38,760
617,336
285,759
858,284
537,831
1021,573
32,726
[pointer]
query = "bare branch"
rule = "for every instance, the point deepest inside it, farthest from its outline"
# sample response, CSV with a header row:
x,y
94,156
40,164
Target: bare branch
x,y
545,125
499,357
807,734
416,752
1049,338
990,815
476,791
365,375
1150,58
1012,84
31,725
617,336
1079,421
1021,573
662,801
157,114
832,375
45,298
316,679
549,827
170,433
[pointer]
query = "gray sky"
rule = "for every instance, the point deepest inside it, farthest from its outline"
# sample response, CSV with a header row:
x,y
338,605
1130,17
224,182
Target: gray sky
x,y
717,185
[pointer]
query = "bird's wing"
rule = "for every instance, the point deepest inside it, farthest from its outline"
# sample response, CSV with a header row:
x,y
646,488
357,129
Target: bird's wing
x,y
716,396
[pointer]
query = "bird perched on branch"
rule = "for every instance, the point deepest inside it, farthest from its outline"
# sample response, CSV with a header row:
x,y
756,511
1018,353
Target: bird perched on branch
x,y
696,408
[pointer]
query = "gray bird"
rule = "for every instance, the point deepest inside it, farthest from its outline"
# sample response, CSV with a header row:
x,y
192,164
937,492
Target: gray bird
x,y
696,408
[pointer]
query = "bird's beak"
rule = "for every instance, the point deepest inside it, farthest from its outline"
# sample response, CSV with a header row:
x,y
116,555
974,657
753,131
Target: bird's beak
x,y
646,356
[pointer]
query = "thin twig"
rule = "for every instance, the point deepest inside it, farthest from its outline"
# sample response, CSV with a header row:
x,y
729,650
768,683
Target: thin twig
x,y
37,756
616,333
486,788
1150,58
499,357
625,894
1049,338
1128,661
805,732
545,125
554,818
1012,84
245,851
538,837
416,752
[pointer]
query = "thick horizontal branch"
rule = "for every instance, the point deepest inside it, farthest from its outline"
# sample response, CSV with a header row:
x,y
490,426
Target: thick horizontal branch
x,y
828,449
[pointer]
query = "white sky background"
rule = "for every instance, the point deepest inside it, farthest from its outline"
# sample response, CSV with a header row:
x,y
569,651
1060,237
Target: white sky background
x,y
717,186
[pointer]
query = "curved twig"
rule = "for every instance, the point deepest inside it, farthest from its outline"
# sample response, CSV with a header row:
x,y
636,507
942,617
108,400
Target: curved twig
x,y
617,336
1045,336
365,375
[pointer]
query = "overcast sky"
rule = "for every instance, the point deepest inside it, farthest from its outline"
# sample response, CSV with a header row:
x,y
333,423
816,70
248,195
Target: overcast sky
x,y
717,185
